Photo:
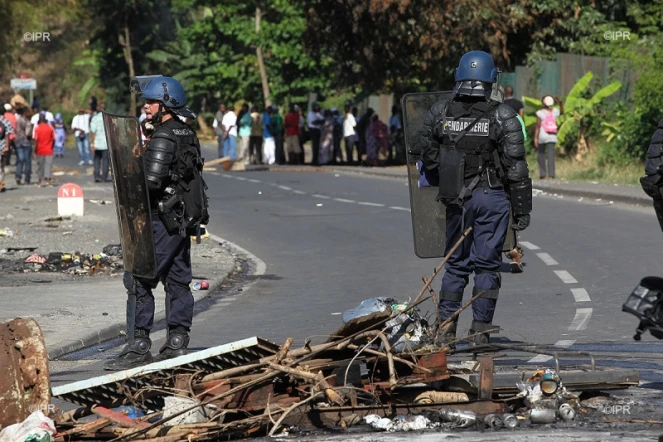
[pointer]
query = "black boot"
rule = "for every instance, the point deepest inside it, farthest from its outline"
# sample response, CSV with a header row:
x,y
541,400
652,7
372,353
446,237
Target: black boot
x,y
447,336
482,330
175,345
134,354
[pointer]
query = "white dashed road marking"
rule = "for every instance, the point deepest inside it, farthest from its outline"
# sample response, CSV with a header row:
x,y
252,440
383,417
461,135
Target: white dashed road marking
x,y
324,197
540,359
566,277
407,209
284,187
241,178
370,204
254,181
528,245
583,315
299,192
547,259
580,295
343,200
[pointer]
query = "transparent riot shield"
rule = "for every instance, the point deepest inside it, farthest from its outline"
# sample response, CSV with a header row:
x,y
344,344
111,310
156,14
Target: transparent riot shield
x,y
428,215
131,195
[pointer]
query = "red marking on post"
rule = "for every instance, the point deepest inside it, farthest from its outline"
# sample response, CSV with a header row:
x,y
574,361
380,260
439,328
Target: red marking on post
x,y
70,190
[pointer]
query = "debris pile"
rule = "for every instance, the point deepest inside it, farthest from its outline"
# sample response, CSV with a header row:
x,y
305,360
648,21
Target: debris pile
x,y
254,387
109,261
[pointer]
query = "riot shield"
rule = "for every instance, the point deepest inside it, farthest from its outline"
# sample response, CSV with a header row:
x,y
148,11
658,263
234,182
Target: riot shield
x,y
131,195
428,215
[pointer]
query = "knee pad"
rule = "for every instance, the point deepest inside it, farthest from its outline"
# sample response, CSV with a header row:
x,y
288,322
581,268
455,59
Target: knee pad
x,y
130,283
176,289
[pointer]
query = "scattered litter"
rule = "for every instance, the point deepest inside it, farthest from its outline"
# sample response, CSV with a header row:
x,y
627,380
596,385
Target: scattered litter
x,y
36,428
35,258
259,193
113,250
594,182
493,421
9,216
398,423
67,233
336,314
319,204
566,412
21,249
104,314
202,285
612,202
175,405
57,219
581,198
460,418
542,416
8,232
337,175
598,199
100,202
509,420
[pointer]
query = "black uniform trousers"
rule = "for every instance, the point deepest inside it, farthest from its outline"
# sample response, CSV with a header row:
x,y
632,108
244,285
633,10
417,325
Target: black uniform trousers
x,y
173,254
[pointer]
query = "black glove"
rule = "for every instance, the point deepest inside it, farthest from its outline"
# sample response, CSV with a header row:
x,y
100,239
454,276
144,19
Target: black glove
x,y
520,222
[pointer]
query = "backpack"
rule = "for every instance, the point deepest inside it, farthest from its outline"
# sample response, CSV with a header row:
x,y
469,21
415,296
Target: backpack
x,y
549,123
191,187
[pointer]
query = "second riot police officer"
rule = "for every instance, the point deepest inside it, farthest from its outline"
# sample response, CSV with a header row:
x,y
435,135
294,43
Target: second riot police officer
x,y
474,148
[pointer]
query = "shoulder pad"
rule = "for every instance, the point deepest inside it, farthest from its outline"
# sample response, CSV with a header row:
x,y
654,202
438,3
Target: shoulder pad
x,y
162,142
505,112
162,132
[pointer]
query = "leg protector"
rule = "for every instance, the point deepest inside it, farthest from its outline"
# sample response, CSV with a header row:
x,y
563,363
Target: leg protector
x,y
179,305
134,354
482,330
176,344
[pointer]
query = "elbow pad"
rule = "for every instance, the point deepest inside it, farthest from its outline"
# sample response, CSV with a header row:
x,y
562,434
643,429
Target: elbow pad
x,y
521,197
159,157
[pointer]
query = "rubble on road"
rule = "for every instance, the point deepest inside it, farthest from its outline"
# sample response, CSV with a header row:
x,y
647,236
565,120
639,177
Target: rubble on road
x,y
254,387
108,262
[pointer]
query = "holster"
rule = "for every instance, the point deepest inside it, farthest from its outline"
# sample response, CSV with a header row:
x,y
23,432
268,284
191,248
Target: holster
x,y
171,213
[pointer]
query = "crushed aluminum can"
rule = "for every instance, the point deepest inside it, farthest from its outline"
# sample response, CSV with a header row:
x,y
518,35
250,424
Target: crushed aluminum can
x,y
493,421
566,412
509,420
461,418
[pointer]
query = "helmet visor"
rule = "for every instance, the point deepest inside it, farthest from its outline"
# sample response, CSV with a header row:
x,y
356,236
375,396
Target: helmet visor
x,y
138,84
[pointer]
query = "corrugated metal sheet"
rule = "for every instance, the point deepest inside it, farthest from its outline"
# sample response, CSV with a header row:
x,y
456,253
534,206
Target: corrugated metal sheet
x,y
111,389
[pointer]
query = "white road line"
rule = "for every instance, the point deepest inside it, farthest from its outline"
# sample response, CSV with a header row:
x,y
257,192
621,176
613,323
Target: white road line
x,y
540,359
580,295
565,277
370,204
529,245
583,315
213,173
342,200
565,343
284,187
254,180
225,175
407,209
547,259
299,192
323,197
241,178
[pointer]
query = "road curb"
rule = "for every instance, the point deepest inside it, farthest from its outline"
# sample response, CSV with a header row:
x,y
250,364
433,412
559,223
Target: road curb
x,y
591,193
116,330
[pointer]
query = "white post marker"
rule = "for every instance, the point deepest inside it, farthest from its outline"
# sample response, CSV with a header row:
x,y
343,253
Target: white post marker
x,y
70,200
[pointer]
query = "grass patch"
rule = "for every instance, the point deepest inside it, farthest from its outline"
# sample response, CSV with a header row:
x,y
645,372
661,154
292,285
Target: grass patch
x,y
591,169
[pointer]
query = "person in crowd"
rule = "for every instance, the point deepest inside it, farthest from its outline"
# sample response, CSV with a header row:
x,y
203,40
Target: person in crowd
x,y
23,147
338,135
396,137
244,132
545,134
60,136
303,134
255,142
269,147
362,127
349,134
44,141
369,142
512,102
9,116
381,135
7,131
277,131
98,146
292,146
315,121
81,127
218,129
226,129
326,154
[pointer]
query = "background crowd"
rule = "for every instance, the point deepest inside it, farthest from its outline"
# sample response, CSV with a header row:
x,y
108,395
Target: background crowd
x,y
275,137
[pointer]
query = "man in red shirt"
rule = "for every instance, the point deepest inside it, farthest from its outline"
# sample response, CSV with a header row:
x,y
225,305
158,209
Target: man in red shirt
x,y
292,147
44,141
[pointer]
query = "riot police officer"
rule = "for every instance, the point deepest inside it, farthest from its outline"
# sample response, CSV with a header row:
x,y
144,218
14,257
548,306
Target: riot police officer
x,y
474,148
652,182
170,138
